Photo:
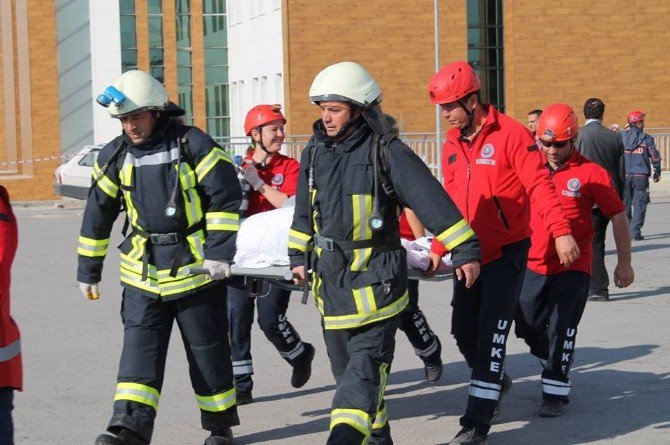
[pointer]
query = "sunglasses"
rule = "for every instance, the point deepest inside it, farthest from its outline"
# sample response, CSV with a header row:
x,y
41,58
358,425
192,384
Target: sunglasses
x,y
557,145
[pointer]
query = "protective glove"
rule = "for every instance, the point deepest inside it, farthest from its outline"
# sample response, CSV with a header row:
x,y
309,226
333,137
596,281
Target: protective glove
x,y
252,177
90,290
218,269
657,176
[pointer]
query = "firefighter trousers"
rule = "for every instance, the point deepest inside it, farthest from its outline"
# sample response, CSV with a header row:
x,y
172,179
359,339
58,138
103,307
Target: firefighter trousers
x,y
6,423
272,304
550,309
414,324
203,323
480,323
360,360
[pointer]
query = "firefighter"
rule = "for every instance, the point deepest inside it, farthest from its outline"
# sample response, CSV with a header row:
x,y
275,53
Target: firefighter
x,y
553,296
11,371
640,154
413,322
493,170
272,178
359,269
181,197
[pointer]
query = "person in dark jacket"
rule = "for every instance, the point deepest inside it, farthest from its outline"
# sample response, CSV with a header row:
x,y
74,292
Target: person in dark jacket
x,y
359,268
604,147
182,197
640,155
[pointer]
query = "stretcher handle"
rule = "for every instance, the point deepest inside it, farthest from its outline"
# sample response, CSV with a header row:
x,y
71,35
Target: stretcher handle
x,y
285,274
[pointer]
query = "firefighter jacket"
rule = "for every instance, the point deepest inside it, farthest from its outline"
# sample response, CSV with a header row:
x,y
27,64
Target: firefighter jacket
x,y
360,275
580,184
11,372
494,178
159,247
640,153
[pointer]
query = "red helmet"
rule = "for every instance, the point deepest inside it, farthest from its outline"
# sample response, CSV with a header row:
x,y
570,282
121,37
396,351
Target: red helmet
x,y
453,82
557,123
261,115
635,116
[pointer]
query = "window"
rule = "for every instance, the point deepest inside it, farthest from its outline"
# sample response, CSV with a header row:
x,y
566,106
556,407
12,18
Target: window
x,y
215,42
485,48
184,60
279,88
155,18
128,35
255,90
264,89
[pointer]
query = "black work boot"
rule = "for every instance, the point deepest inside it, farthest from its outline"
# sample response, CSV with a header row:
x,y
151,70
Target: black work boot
x,y
123,437
469,436
302,370
381,436
552,408
223,437
433,364
243,398
505,386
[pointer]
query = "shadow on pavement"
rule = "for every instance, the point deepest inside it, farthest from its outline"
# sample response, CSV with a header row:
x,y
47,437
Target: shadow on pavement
x,y
605,403
631,295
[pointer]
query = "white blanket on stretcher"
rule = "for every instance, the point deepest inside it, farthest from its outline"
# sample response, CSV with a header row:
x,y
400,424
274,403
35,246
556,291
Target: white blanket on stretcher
x,y
262,241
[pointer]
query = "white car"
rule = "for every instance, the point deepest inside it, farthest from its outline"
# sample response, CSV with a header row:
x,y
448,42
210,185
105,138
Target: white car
x,y
73,178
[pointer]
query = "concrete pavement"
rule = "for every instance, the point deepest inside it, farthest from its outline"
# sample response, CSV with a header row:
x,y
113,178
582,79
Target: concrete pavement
x,y
621,377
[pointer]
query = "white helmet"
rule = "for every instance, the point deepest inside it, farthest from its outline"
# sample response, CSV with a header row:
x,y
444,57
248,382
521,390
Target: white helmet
x,y
142,92
347,82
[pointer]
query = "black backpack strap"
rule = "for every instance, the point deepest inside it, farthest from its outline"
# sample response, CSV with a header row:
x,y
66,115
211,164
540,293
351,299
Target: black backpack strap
x,y
384,169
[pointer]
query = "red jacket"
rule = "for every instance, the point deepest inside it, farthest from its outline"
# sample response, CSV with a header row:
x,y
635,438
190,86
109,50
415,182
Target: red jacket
x,y
280,173
580,184
494,178
11,373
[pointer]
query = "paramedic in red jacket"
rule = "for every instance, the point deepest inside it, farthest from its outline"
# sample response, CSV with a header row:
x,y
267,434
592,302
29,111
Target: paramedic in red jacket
x,y
493,171
11,377
272,178
553,296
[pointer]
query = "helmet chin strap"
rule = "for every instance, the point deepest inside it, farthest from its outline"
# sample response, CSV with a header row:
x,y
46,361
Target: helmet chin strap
x,y
352,122
471,117
262,145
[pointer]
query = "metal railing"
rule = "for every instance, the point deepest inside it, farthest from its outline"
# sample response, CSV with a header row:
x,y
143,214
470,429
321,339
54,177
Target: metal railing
x,y
423,144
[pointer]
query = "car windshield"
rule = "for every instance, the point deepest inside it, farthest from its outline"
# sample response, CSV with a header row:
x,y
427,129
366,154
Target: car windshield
x,y
89,159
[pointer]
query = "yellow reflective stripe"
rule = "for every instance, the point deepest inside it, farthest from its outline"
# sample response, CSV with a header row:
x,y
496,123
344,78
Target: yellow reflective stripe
x,y
218,402
455,234
125,175
138,244
222,221
365,300
92,247
137,393
196,242
192,206
315,213
103,182
360,420
383,378
298,240
362,208
357,320
186,176
159,281
209,161
380,419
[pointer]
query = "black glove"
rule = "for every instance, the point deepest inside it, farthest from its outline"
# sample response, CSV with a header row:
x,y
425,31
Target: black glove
x,y
657,176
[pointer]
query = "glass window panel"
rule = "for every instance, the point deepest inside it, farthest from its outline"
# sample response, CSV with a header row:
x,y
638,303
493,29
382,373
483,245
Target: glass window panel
x,y
183,6
128,31
127,6
128,57
158,72
184,75
125,68
216,56
216,100
214,30
183,58
216,74
155,57
155,7
155,32
183,31
185,97
214,7
218,127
